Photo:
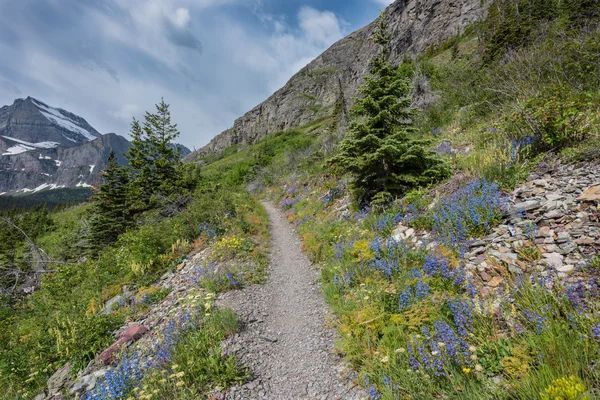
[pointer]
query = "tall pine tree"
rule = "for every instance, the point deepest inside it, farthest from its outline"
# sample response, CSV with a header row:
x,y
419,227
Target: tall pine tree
x,y
110,213
380,152
154,161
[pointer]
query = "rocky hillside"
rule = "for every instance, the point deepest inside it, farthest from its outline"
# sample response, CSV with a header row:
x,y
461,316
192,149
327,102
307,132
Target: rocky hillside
x,y
42,147
335,75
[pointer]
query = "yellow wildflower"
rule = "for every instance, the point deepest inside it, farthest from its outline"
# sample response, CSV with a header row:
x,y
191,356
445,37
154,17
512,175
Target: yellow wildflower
x,y
466,370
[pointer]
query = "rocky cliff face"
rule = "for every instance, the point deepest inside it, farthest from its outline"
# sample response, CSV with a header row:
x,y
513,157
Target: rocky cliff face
x,y
337,73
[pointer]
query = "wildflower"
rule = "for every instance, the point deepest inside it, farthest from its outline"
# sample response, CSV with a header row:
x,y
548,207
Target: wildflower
x,y
596,332
385,359
180,383
466,370
400,350
478,367
472,349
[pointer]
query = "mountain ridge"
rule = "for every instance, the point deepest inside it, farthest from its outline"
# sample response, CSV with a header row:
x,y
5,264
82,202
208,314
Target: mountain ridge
x,y
335,75
44,147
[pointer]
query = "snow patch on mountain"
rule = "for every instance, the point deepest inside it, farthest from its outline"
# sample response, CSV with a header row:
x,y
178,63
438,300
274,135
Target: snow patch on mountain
x,y
56,116
18,149
23,146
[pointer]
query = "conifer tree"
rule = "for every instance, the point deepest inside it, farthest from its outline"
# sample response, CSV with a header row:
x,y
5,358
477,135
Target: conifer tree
x,y
111,214
379,152
153,159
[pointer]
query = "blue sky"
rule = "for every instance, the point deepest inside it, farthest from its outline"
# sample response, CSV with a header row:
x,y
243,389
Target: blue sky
x,y
212,60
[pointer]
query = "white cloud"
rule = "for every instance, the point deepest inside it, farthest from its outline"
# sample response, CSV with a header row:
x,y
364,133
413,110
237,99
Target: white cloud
x,y
137,51
320,27
181,17
126,112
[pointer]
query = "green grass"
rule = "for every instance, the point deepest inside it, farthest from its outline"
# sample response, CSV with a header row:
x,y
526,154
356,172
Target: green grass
x,y
60,321
197,363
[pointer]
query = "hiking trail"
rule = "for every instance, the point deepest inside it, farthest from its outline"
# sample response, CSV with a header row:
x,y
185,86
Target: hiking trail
x,y
285,340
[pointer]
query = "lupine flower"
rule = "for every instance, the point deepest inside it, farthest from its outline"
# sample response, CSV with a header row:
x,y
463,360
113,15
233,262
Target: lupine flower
x,y
462,316
538,320
530,230
596,332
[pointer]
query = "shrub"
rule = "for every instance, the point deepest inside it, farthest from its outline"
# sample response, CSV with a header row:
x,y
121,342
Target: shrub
x,y
559,116
569,388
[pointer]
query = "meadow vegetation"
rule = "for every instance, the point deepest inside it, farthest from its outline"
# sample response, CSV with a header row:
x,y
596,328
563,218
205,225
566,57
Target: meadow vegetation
x,y
496,101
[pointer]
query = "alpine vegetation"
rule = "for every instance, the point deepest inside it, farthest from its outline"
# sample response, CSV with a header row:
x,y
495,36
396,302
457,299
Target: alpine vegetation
x,y
380,153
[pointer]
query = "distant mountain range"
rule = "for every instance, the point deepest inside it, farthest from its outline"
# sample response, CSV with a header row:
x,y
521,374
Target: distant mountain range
x,y
42,147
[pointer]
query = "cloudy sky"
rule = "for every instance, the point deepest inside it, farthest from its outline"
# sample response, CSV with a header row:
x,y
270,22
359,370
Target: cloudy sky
x,y
212,60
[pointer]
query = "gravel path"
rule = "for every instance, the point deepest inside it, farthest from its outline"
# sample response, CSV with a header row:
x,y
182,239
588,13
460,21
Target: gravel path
x,y
284,340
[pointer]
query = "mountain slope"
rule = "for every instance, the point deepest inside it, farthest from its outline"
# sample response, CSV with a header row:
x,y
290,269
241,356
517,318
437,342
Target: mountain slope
x,y
42,147
335,75
30,124
61,166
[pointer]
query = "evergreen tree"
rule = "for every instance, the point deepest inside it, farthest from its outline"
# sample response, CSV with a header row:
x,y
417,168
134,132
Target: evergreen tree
x,y
111,214
379,152
153,159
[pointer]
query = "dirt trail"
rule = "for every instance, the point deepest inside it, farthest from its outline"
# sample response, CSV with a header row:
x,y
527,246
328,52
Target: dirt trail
x,y
285,341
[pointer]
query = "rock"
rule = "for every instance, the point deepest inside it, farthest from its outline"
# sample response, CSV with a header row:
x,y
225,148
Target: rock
x,y
132,334
477,243
409,233
167,276
110,304
554,259
128,292
40,396
268,338
554,214
84,384
59,379
508,258
585,241
485,276
554,197
497,280
540,182
527,206
565,268
591,194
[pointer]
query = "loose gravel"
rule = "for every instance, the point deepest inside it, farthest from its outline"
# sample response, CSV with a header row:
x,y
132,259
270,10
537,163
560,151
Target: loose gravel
x,y
285,340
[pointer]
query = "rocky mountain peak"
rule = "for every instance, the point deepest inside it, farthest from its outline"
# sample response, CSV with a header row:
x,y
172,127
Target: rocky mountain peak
x,y
30,124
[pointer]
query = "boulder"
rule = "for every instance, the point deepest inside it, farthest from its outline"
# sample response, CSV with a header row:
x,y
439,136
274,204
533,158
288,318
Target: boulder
x,y
57,381
132,334
554,259
109,305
